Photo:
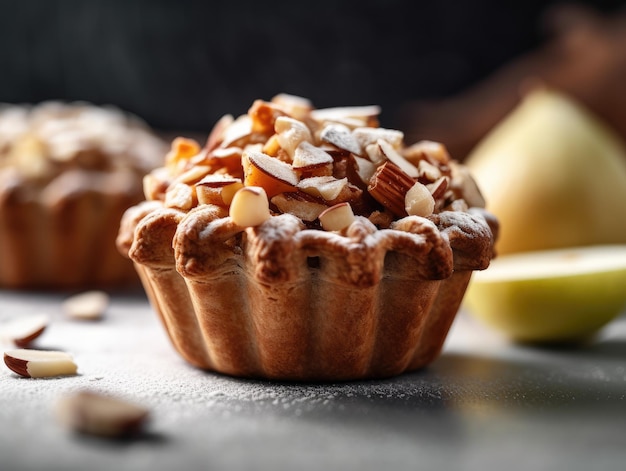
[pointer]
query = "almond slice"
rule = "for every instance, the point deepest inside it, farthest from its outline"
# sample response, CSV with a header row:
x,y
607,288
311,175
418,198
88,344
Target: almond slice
x,y
250,207
291,133
366,136
359,115
217,189
463,183
394,156
217,133
268,172
300,204
21,331
435,152
438,188
39,363
102,415
428,171
295,106
340,136
328,187
419,201
337,217
90,305
192,175
311,161
309,156
238,133
365,169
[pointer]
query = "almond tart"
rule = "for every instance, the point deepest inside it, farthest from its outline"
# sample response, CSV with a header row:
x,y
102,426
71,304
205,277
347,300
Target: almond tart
x,y
68,171
306,244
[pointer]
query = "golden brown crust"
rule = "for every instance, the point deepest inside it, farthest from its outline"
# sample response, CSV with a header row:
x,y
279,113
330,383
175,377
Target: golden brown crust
x,y
66,246
68,172
284,302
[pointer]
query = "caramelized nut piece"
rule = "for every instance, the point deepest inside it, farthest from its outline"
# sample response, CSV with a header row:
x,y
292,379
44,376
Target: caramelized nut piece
x,y
337,217
263,115
102,415
271,146
250,207
182,149
419,201
272,174
39,363
21,331
90,305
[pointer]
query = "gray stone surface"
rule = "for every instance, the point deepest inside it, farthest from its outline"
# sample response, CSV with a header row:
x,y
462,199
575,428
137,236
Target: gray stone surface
x,y
484,404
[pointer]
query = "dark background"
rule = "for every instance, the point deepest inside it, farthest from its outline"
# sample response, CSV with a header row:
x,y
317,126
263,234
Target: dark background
x,y
182,64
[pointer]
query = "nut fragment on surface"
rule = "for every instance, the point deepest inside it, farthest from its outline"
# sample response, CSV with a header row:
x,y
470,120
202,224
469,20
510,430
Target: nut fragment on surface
x,y
21,331
217,189
40,363
99,414
299,204
337,217
250,207
90,305
419,201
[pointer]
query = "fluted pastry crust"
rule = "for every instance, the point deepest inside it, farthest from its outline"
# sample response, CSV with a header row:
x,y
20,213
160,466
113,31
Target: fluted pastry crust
x,y
284,302
306,244
67,174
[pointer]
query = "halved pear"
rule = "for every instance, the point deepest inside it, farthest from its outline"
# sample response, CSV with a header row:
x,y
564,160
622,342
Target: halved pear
x,y
554,175
549,296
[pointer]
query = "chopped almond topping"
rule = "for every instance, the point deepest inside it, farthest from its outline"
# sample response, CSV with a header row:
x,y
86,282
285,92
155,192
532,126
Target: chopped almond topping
x,y
263,116
182,149
317,164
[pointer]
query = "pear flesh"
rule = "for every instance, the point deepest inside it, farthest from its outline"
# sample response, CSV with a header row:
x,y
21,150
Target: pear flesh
x,y
550,296
553,175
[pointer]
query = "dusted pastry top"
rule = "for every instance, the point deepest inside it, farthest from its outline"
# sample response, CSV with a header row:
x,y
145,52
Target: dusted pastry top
x,y
55,145
325,166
